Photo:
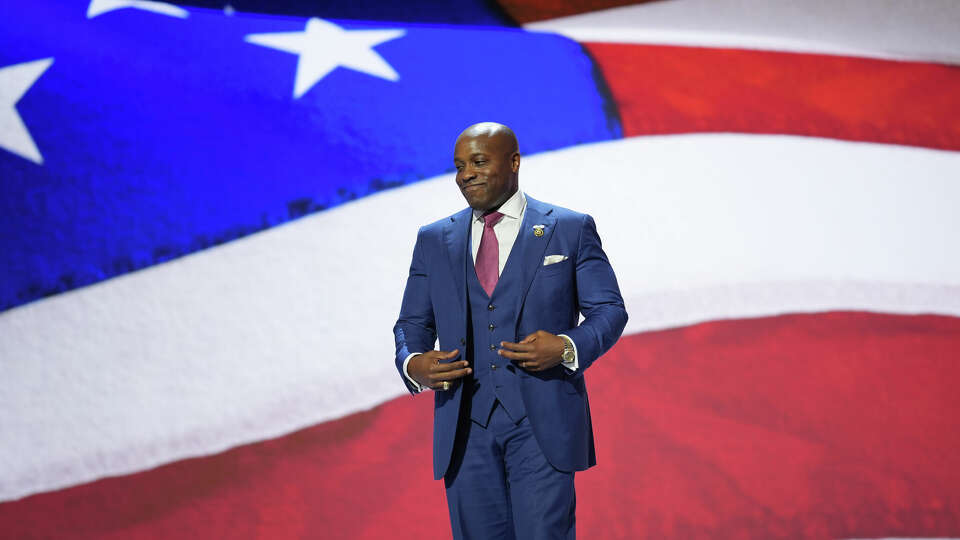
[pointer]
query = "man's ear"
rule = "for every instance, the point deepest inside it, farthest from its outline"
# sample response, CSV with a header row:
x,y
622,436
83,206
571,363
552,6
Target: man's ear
x,y
515,161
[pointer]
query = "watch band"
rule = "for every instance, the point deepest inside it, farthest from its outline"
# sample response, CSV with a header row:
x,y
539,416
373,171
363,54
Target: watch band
x,y
568,350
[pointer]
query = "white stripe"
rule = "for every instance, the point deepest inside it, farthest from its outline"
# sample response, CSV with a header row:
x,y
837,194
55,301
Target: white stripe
x,y
99,7
875,28
702,227
291,326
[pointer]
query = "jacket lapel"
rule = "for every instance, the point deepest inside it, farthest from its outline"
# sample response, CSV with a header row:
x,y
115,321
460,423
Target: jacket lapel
x,y
455,235
531,247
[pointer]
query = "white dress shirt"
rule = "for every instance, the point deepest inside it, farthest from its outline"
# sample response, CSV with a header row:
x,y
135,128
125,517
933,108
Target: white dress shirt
x,y
506,230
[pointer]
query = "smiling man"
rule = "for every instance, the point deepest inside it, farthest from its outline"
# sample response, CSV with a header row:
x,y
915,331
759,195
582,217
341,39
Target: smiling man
x,y
502,284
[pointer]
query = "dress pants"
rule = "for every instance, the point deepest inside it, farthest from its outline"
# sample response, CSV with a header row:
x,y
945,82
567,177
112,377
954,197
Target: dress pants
x,y
501,486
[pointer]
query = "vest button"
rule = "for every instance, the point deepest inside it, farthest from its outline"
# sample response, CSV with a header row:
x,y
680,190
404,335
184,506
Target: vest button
x,y
493,366
491,327
490,307
463,341
493,347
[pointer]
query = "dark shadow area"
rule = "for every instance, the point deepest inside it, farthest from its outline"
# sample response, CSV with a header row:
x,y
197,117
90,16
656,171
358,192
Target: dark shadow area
x,y
472,12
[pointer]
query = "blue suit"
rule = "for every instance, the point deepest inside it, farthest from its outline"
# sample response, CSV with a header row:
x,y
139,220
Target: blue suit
x,y
441,301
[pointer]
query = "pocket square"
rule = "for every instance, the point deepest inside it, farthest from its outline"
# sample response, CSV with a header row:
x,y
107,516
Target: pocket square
x,y
553,259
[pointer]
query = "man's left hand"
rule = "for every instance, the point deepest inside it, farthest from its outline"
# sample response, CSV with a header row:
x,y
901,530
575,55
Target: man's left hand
x,y
536,352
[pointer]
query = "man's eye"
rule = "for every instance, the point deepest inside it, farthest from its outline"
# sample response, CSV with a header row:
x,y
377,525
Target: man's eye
x,y
479,162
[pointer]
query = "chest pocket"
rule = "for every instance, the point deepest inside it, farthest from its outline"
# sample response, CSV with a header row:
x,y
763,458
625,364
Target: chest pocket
x,y
556,268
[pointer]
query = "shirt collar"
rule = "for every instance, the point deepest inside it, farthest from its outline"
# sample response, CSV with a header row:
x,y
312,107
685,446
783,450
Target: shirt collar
x,y
513,207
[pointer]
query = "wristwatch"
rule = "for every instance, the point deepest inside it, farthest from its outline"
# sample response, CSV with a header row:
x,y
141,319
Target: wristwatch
x,y
568,351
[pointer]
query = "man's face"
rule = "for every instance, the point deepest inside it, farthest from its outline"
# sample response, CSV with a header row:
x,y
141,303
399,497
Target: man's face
x,y
486,170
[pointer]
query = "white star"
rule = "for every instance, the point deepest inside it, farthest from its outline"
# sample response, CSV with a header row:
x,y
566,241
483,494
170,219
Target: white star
x,y
99,7
323,46
15,80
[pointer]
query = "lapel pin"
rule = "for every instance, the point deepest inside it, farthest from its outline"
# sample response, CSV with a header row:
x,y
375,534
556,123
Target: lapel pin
x,y
538,230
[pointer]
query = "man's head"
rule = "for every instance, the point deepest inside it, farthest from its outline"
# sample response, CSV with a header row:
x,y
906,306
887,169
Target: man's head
x,y
488,161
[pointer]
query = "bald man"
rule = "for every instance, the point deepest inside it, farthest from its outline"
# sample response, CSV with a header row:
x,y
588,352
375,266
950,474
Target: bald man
x,y
502,284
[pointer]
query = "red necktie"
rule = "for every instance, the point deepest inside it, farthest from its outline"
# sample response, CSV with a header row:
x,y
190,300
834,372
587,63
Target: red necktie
x,y
488,256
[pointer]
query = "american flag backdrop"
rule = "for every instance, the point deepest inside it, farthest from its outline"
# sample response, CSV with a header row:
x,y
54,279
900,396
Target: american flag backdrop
x,y
207,214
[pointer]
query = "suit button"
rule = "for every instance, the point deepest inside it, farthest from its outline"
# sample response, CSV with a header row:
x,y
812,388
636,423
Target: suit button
x,y
491,327
493,347
463,341
493,366
490,307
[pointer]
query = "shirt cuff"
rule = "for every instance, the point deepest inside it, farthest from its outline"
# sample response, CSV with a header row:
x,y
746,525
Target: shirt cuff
x,y
573,365
415,384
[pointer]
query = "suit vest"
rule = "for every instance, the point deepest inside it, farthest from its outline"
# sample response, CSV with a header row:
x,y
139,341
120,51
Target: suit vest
x,y
490,321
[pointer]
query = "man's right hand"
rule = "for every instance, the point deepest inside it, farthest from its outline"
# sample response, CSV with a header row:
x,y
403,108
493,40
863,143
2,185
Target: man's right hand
x,y
430,369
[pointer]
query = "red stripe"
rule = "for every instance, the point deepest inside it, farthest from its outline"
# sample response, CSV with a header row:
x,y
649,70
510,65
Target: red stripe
x,y
807,426
524,11
666,89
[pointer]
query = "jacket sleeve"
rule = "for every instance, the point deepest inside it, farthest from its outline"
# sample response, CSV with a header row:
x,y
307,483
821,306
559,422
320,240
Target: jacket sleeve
x,y
416,330
598,299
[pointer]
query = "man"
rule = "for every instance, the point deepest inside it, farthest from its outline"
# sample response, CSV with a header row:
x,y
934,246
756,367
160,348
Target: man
x,y
511,417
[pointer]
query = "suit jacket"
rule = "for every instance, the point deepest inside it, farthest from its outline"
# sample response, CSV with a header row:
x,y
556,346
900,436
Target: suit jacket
x,y
435,306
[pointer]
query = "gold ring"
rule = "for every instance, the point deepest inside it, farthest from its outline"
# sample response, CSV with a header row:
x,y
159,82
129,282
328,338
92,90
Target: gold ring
x,y
445,385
